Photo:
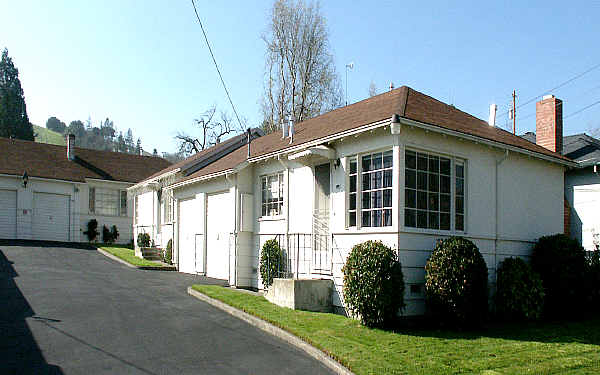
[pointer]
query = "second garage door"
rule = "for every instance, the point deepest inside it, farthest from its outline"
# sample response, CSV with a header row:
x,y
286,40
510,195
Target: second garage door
x,y
191,259
8,214
219,225
51,217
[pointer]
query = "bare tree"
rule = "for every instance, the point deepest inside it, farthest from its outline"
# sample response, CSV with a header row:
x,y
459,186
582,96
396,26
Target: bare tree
x,y
372,89
212,131
300,76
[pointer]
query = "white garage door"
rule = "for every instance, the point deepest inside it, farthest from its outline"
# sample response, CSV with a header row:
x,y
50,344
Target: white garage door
x,y
586,202
191,259
51,217
8,214
219,224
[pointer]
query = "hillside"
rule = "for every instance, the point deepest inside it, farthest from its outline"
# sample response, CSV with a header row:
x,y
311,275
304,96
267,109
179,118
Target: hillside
x,y
43,135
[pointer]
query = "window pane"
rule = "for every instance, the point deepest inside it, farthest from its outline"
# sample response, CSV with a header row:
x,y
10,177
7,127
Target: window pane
x,y
445,221
264,210
410,218
411,160
387,178
421,161
422,200
353,165
376,199
387,159
459,205
410,198
387,198
434,164
422,180
376,180
353,201
445,202
421,219
434,201
445,166
366,163
460,188
353,183
411,179
460,223
434,220
366,218
352,219
123,203
460,170
366,181
376,161
434,182
377,218
445,184
387,218
366,200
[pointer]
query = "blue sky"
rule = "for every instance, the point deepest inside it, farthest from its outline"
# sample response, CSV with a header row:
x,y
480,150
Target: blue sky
x,y
144,64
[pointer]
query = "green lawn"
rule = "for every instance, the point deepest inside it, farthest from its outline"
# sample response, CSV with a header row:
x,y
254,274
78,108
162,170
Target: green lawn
x,y
43,135
127,254
542,348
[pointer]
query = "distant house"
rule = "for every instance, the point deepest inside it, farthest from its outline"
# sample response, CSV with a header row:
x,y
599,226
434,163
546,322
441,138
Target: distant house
x,y
400,167
582,184
50,192
154,210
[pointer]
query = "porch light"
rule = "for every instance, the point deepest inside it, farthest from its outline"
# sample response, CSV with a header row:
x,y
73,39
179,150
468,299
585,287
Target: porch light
x,y
25,179
395,124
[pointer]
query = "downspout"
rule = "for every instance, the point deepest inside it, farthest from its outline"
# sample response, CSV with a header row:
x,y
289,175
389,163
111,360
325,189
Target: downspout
x,y
497,209
235,232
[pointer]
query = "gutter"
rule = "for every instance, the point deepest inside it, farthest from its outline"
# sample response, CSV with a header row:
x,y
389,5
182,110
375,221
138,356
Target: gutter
x,y
225,172
153,179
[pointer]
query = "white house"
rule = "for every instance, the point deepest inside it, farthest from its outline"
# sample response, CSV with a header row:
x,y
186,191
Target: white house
x,y
400,167
582,184
50,192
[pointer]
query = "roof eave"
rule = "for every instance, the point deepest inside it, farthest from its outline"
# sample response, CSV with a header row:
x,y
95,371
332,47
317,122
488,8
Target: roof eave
x,y
159,177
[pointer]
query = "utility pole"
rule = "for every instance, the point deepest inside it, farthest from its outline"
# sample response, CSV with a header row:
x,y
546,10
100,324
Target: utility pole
x,y
514,113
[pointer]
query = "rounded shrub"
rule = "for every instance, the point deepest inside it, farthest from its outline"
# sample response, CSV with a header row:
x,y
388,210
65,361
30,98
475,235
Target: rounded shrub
x,y
456,282
561,264
519,291
373,284
271,262
92,230
168,257
143,240
593,281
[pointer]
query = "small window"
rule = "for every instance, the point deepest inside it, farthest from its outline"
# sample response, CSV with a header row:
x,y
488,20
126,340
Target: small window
x,y
123,203
92,200
167,205
272,194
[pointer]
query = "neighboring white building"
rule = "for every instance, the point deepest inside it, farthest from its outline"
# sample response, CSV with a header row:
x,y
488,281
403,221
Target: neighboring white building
x,y
582,184
65,188
400,167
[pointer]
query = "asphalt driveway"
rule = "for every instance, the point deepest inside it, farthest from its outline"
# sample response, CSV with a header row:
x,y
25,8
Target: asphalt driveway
x,y
70,310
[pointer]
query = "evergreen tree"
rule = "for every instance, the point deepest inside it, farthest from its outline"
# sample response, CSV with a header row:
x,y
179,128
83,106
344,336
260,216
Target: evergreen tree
x,y
13,112
138,147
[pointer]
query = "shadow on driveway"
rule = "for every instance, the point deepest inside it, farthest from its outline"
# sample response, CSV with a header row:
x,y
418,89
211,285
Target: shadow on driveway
x,y
19,352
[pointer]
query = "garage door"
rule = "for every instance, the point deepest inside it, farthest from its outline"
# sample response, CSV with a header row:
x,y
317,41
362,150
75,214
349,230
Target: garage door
x,y
191,258
51,217
219,224
8,214
586,202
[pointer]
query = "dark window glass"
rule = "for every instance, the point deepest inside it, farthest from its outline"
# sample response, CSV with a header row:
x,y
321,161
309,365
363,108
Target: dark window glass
x,y
376,199
422,180
366,200
366,181
421,161
434,222
460,171
387,218
445,184
376,161
460,205
387,159
444,221
387,179
376,180
353,166
422,200
460,186
411,160
434,182
353,201
460,224
377,218
434,164
422,219
410,218
387,198
445,202
434,201
410,198
411,179
366,218
366,163
352,219
352,183
445,166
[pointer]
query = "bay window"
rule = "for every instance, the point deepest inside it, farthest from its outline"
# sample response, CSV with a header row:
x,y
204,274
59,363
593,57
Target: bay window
x,y
429,193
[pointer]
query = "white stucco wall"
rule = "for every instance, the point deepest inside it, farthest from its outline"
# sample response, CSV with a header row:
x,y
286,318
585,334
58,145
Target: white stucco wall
x,y
78,197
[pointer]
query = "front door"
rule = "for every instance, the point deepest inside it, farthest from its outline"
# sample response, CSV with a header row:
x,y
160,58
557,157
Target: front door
x,y
321,218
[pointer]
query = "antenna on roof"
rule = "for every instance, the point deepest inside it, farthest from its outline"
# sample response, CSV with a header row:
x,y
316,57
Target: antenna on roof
x,y
391,86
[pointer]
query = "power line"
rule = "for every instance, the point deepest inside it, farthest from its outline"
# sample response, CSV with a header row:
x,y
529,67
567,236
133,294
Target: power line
x,y
216,65
582,109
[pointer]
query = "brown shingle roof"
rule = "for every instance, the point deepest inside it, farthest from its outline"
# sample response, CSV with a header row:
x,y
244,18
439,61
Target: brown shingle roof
x,y
50,161
404,101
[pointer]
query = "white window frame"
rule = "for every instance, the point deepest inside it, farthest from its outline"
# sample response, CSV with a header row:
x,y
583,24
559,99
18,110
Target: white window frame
x,y
166,207
96,193
281,186
454,161
359,191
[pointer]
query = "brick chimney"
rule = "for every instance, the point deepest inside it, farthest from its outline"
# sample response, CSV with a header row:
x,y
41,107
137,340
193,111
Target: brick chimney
x,y
71,147
549,124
